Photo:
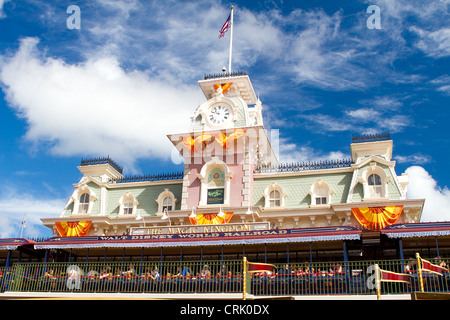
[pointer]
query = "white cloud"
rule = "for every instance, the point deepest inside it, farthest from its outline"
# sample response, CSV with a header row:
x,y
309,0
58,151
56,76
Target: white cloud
x,y
2,3
363,114
95,108
437,199
442,83
434,43
14,205
293,153
413,159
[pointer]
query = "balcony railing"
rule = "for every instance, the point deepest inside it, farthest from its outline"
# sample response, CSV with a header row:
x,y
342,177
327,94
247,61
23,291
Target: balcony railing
x,y
225,75
151,177
95,161
330,278
370,137
305,166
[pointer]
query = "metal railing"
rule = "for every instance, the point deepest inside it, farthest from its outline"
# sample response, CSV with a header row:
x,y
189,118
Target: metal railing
x,y
327,278
304,166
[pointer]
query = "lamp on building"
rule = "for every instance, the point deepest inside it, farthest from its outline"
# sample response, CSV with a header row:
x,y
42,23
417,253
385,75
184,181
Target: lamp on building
x,y
249,211
139,217
166,216
221,214
193,216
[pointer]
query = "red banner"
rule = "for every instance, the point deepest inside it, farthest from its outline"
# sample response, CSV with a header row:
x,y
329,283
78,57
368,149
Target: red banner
x,y
388,276
260,267
428,266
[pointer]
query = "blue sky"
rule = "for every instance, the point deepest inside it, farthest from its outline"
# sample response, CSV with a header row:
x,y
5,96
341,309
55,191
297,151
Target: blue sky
x,y
128,76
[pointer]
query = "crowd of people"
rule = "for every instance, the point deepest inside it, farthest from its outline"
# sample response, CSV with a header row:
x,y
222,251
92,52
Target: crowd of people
x,y
206,272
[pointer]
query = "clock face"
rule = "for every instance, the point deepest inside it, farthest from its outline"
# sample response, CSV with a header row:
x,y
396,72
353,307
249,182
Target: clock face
x,y
218,115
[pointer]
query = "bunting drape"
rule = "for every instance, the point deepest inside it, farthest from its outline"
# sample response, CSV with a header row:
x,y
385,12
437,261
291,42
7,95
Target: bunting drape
x,y
377,218
73,229
225,141
194,144
210,218
224,86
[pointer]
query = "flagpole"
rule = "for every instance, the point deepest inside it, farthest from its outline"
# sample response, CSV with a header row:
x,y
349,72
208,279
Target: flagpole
x,y
378,281
419,271
244,280
231,41
23,222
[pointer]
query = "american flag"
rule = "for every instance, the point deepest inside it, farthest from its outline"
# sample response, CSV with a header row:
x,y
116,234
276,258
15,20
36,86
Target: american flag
x,y
225,27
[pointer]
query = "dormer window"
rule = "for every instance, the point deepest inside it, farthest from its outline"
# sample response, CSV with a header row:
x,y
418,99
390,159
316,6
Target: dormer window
x,y
166,201
374,181
320,193
375,187
274,196
127,204
167,204
84,203
83,200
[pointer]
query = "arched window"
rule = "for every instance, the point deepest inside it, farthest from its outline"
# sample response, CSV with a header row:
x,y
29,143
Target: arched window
x,y
167,204
83,200
166,200
215,178
274,196
320,193
374,181
321,196
84,203
127,204
375,186
216,187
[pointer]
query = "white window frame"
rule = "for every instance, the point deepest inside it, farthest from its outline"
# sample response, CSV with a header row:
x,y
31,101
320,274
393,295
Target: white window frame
x,y
269,199
83,206
76,198
214,163
127,202
164,195
369,194
321,191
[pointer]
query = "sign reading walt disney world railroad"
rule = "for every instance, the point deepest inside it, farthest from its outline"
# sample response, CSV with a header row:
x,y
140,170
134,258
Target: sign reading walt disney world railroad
x,y
210,228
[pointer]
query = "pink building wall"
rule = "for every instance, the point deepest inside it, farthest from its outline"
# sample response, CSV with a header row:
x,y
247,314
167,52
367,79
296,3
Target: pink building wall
x,y
236,184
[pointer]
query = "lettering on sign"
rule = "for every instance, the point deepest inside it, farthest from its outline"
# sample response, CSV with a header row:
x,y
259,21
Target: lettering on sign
x,y
232,227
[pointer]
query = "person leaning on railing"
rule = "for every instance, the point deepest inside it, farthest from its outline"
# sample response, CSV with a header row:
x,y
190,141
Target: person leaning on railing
x,y
49,274
130,272
106,273
186,272
206,273
285,272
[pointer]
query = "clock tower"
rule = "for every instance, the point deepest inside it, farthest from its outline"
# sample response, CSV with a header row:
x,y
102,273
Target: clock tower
x,y
226,141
